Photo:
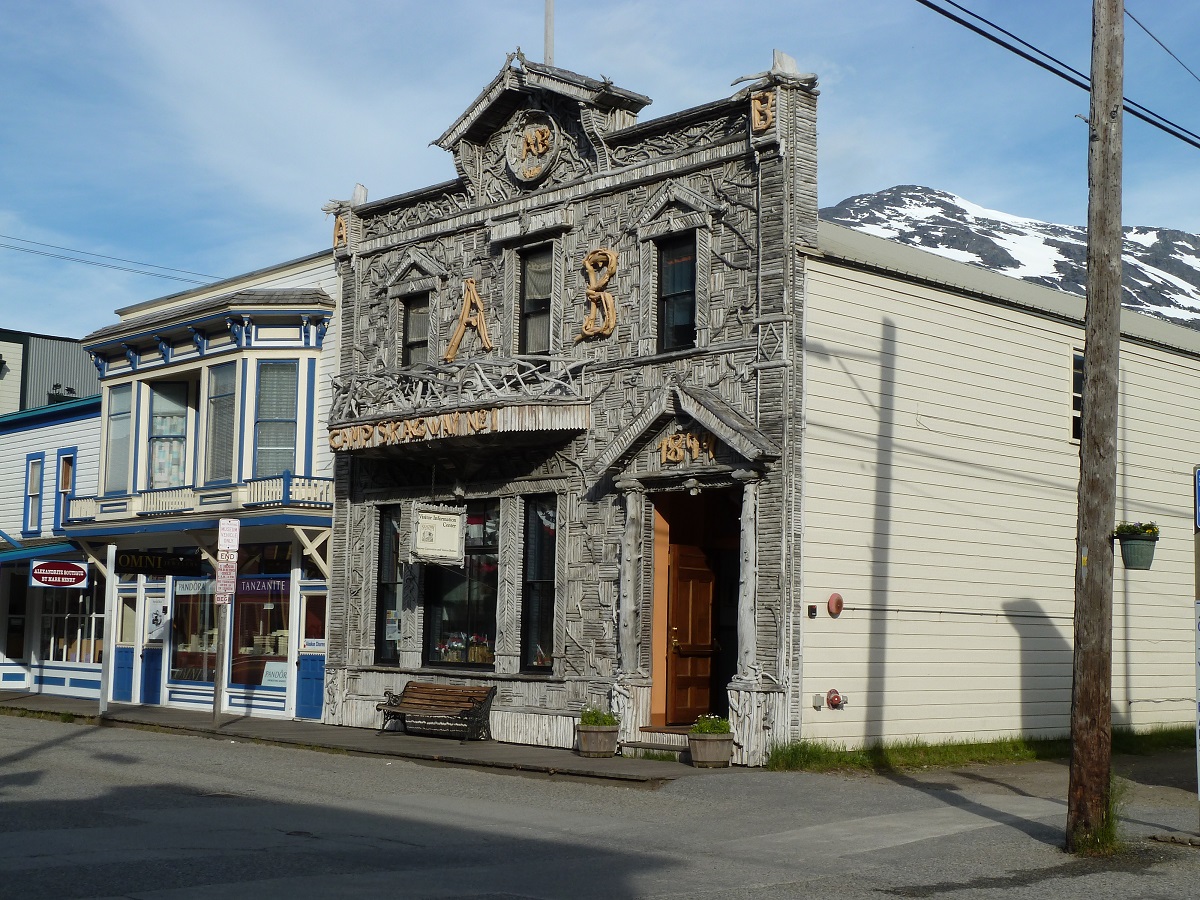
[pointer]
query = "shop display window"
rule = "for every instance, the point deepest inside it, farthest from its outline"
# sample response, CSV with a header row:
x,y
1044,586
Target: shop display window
x,y
460,603
193,631
391,584
537,589
14,638
260,631
73,624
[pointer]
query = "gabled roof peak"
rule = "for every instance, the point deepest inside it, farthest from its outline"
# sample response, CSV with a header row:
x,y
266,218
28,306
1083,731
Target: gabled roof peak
x,y
517,79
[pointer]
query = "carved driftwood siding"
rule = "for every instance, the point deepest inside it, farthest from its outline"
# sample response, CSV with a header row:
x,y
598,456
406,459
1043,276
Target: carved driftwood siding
x,y
607,421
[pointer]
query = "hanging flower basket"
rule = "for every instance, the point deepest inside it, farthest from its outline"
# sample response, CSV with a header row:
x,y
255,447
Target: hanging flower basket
x,y
1137,540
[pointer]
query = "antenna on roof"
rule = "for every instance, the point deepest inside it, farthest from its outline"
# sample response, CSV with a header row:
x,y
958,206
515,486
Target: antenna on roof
x,y
549,55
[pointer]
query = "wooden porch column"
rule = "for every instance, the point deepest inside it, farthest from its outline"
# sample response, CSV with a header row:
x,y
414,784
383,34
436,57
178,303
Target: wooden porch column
x,y
749,673
629,658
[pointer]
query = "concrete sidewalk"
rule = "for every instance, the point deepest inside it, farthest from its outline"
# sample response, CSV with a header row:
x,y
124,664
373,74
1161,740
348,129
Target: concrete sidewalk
x,y
516,758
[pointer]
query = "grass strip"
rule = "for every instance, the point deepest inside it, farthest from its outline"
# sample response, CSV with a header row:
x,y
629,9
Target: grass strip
x,y
813,756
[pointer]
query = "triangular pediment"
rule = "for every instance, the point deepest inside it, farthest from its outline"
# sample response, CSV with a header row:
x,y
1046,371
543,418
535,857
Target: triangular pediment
x,y
674,401
536,126
415,270
676,199
512,88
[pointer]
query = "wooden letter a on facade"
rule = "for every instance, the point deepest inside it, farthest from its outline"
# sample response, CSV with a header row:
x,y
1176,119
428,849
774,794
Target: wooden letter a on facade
x,y
472,316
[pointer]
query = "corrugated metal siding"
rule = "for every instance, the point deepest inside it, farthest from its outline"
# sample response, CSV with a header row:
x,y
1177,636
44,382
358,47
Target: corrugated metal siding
x,y
53,362
940,502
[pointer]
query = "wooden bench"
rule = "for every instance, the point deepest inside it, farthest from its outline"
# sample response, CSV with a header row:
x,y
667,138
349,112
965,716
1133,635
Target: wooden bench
x,y
442,709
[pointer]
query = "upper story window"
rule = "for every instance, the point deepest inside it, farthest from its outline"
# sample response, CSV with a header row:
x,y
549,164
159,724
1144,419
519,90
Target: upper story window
x,y
168,434
119,431
415,341
1077,395
65,488
537,278
677,293
221,435
34,465
275,418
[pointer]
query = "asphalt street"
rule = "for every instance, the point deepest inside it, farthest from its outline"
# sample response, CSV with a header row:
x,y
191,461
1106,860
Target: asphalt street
x,y
114,812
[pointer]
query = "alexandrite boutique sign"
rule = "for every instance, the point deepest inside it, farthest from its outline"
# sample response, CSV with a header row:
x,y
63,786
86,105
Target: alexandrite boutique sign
x,y
52,573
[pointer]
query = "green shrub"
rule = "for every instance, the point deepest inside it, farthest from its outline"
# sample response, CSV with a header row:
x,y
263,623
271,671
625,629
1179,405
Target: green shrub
x,y
593,715
711,725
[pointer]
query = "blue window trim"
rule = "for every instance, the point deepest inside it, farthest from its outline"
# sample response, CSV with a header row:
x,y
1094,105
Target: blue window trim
x,y
31,458
71,453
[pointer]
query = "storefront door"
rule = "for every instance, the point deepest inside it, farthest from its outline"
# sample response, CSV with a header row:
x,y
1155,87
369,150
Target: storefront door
x,y
690,619
310,659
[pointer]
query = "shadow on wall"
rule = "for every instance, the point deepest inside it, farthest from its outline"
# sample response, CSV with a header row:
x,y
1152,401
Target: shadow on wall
x,y
1045,661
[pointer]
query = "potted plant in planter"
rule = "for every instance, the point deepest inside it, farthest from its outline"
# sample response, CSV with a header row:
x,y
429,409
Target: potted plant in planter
x,y
710,742
1137,541
598,732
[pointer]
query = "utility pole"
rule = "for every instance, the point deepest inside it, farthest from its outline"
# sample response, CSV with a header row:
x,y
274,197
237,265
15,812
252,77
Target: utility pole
x,y
549,33
1091,694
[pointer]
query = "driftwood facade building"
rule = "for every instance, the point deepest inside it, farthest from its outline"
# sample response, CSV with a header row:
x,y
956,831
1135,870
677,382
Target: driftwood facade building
x,y
586,342
710,458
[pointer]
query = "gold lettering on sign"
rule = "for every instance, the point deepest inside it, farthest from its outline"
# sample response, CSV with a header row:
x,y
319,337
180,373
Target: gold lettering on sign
x,y
472,315
418,428
536,142
762,111
675,448
600,266
340,233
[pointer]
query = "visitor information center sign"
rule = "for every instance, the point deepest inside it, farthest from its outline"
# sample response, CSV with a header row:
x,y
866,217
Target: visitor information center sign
x,y
228,534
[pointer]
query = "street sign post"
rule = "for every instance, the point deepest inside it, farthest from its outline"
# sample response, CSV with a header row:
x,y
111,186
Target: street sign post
x,y
228,536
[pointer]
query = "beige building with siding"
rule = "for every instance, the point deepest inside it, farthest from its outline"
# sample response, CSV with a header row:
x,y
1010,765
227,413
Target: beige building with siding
x,y
939,499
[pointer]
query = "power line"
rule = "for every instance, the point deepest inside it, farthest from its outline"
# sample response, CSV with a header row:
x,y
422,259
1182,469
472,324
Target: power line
x,y
133,262
91,262
1061,69
1161,44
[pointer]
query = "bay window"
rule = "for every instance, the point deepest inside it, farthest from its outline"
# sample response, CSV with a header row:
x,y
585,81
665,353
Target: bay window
x,y
275,419
168,434
222,428
119,432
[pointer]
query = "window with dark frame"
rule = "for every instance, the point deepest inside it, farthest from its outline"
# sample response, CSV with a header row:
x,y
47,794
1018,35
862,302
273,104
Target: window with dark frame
x,y
537,583
1077,395
537,277
677,293
415,340
460,602
390,596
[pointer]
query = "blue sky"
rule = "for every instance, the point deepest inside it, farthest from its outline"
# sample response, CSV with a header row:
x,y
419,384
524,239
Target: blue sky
x,y
206,136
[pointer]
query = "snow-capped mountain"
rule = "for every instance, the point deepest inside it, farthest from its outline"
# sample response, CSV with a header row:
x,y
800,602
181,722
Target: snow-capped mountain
x,y
1161,266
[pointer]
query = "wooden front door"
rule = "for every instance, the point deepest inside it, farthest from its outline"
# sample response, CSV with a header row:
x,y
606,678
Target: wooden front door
x,y
690,646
